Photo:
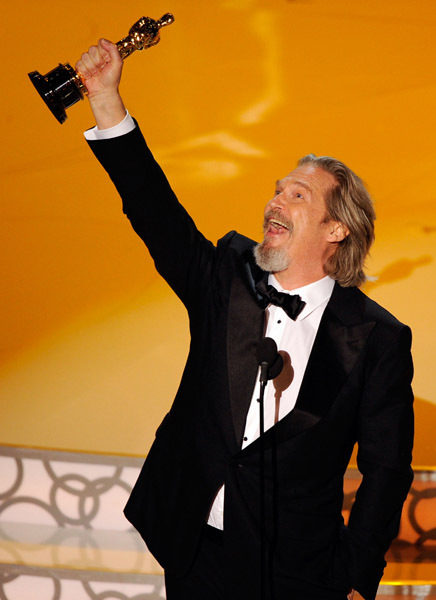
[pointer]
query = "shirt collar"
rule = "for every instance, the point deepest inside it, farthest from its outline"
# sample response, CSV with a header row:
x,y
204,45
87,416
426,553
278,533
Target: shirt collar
x,y
314,294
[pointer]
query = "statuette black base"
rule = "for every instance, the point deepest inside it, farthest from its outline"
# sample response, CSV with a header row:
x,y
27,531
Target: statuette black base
x,y
59,89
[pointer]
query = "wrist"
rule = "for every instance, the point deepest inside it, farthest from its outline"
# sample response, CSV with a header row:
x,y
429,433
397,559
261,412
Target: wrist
x,y
108,109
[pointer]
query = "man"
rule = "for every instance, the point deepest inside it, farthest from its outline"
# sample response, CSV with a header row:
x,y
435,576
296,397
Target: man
x,y
346,379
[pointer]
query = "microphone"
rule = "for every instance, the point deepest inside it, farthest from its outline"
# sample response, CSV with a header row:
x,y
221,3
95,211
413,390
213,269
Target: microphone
x,y
270,361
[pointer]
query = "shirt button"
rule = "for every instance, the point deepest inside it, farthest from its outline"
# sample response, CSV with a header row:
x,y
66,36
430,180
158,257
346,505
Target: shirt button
x,y
279,321
245,439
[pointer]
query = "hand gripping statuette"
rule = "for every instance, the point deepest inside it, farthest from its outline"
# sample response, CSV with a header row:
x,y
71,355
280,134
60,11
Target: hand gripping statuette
x,y
62,87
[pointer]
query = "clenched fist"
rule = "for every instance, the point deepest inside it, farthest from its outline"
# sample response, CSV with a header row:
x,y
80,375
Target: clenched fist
x,y
100,69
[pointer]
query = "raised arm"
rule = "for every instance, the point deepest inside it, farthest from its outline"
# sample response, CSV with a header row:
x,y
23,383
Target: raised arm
x,y
182,255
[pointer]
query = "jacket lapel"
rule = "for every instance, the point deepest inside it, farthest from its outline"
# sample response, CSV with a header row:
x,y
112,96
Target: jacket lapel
x,y
341,337
245,330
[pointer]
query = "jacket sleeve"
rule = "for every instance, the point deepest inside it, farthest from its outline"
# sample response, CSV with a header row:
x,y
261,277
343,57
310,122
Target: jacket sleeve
x,y
182,255
385,440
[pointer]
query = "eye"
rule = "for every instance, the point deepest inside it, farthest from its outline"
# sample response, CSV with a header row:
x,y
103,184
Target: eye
x,y
298,195
277,192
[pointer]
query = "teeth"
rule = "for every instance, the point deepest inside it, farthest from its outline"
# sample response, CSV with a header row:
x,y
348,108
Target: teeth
x,y
279,223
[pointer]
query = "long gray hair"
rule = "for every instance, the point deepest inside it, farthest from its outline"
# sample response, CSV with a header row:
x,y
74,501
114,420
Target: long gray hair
x,y
349,203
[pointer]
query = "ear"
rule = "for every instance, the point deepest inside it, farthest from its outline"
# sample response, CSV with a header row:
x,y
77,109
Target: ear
x,y
337,232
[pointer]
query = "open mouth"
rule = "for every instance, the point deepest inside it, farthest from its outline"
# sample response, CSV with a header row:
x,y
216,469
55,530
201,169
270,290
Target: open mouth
x,y
277,224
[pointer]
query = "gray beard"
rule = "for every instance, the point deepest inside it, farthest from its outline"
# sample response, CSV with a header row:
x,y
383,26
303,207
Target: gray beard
x,y
273,260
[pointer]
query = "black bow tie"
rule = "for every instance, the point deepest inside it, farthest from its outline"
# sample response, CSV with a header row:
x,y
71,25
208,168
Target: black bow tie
x,y
291,304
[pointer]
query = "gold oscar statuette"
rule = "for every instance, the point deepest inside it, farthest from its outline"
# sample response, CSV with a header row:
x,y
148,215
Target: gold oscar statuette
x,y
62,87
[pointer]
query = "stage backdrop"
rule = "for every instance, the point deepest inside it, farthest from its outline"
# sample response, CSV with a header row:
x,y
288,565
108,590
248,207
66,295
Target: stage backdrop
x,y
93,343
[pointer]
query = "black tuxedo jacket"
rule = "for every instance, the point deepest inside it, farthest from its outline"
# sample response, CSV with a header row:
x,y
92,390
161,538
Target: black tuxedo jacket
x,y
356,388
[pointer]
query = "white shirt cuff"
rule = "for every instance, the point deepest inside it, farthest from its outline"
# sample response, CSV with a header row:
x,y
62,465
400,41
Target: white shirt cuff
x,y
125,126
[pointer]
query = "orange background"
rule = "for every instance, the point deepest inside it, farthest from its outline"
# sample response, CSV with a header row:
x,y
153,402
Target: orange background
x,y
93,343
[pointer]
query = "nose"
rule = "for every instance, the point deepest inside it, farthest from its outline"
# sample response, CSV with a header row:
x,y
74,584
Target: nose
x,y
276,202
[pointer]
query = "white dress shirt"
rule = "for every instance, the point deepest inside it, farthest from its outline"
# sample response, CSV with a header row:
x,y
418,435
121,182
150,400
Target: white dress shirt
x,y
294,340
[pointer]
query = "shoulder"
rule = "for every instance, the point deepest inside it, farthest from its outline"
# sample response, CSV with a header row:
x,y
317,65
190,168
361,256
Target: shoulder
x,y
353,306
236,247
375,310
387,341
235,259
236,242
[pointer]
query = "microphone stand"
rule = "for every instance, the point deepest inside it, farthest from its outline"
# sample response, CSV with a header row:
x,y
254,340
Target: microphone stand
x,y
263,381
271,364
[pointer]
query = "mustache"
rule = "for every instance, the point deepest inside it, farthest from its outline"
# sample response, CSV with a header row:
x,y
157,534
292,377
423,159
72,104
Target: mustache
x,y
276,214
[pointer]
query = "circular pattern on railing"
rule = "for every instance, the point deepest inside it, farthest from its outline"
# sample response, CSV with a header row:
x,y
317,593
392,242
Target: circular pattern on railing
x,y
73,498
10,491
418,496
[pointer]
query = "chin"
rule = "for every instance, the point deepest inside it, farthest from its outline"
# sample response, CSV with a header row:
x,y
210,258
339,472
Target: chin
x,y
271,259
